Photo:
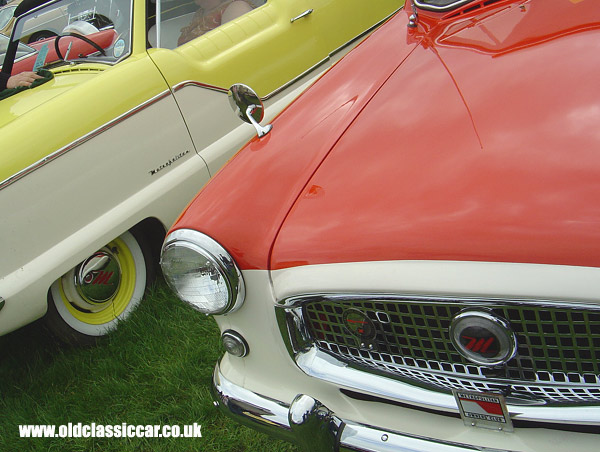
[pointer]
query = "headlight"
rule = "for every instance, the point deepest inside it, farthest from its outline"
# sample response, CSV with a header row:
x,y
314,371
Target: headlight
x,y
201,272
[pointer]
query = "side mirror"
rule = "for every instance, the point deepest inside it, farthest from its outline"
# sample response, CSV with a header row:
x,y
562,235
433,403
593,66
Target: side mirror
x,y
248,106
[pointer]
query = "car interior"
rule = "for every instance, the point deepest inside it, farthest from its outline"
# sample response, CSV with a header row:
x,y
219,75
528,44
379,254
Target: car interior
x,y
175,15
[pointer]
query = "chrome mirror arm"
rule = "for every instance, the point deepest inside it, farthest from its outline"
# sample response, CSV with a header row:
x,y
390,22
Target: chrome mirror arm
x,y
260,130
248,107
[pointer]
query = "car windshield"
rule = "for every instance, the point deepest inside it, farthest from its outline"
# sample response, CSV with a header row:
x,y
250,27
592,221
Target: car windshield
x,y
97,30
6,14
22,49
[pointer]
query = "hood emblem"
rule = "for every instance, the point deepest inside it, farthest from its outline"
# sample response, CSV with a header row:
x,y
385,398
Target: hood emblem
x,y
360,326
483,338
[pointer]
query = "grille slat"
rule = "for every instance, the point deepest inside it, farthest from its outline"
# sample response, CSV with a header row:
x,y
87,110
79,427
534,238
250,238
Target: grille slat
x,y
556,359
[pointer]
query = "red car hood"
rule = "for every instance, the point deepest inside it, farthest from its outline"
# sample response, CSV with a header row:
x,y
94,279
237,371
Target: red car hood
x,y
467,138
244,205
482,146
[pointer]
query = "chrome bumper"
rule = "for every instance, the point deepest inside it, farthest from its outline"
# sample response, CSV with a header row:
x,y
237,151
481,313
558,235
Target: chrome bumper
x,y
313,427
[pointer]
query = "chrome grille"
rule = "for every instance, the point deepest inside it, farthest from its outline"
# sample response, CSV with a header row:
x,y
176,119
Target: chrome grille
x,y
558,346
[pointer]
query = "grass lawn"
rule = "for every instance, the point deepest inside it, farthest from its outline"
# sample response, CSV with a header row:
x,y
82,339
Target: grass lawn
x,y
155,369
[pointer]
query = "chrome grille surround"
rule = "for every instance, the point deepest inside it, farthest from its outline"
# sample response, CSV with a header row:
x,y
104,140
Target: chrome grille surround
x,y
556,365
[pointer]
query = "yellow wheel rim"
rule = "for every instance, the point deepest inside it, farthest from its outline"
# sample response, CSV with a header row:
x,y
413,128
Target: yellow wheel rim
x,y
122,296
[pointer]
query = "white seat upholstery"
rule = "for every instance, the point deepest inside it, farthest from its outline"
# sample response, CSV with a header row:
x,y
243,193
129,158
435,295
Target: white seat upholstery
x,y
170,31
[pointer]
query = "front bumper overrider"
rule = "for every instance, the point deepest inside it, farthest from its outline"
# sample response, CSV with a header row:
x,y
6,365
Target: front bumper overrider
x,y
313,427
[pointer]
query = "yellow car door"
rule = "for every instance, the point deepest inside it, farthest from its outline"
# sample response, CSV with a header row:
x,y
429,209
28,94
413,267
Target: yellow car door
x,y
277,48
343,20
264,48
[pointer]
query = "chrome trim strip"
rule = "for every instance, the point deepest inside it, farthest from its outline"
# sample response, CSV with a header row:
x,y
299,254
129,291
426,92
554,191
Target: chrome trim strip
x,y
318,364
158,15
285,86
297,300
298,78
275,418
185,83
367,438
53,156
196,84
450,6
328,57
367,31
5,183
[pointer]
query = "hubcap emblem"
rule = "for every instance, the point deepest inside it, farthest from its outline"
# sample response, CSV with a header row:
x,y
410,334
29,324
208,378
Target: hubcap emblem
x,y
98,277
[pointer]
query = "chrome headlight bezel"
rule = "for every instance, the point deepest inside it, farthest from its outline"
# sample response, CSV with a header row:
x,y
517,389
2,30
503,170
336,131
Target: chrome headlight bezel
x,y
214,254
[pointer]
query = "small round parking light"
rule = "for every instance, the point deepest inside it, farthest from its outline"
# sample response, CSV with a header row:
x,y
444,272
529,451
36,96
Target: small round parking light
x,y
234,343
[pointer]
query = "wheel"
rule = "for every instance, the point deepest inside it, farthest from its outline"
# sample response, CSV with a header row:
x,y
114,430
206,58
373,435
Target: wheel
x,y
41,35
92,298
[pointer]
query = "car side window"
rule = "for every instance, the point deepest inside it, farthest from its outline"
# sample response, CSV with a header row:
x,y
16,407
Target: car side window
x,y
5,15
176,22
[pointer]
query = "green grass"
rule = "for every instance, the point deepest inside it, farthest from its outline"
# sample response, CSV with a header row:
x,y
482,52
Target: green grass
x,y
155,369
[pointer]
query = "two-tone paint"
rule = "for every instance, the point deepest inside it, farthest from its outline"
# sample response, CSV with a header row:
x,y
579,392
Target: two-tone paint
x,y
451,154
101,147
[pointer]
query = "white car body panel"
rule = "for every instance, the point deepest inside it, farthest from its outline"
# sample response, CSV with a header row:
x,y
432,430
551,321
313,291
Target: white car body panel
x,y
443,278
38,260
268,369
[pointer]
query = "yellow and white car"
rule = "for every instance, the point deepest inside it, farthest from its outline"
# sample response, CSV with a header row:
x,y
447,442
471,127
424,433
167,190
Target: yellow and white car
x,y
6,16
99,160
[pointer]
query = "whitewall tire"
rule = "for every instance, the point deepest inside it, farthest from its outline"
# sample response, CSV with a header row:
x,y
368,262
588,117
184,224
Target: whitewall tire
x,y
92,298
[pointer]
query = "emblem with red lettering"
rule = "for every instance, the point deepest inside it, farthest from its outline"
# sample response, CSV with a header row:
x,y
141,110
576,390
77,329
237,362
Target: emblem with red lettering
x,y
482,337
479,409
359,325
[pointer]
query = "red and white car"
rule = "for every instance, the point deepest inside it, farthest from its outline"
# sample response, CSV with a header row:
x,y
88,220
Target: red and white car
x,y
409,260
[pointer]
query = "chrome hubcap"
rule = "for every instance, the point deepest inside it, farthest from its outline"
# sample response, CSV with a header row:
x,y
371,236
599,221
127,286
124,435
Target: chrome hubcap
x,y
96,280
